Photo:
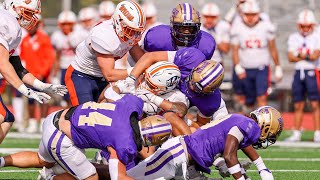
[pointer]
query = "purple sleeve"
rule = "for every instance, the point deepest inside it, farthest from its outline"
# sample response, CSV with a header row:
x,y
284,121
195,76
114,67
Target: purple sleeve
x,y
187,59
134,103
251,132
207,44
158,39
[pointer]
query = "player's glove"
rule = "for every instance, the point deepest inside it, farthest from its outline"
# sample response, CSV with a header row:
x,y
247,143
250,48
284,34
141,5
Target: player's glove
x,y
148,96
278,73
266,174
39,96
50,88
127,86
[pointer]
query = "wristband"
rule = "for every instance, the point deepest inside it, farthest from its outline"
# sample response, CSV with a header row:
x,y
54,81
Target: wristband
x,y
243,171
241,178
239,69
111,94
38,84
234,169
129,70
259,164
23,89
132,77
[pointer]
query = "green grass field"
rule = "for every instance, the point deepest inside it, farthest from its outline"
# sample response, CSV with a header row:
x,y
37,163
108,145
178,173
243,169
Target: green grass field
x,y
286,163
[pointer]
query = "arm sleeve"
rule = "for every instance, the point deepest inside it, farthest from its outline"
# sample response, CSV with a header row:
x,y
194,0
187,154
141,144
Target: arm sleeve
x,y
271,32
4,43
16,63
292,44
171,56
234,36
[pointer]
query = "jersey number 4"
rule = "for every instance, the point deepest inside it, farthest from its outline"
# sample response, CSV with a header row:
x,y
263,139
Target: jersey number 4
x,y
96,118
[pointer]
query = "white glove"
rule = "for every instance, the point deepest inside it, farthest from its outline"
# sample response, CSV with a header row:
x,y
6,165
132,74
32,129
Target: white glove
x,y
266,174
239,69
50,88
39,96
149,97
46,173
55,81
127,86
278,73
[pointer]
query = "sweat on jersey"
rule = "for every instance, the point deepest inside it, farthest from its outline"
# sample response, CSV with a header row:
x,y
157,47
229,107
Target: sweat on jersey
x,y
100,125
159,38
208,141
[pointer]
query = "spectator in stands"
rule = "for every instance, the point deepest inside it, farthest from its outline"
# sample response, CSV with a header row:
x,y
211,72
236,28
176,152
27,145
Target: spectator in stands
x,y
106,9
219,29
253,45
304,51
38,55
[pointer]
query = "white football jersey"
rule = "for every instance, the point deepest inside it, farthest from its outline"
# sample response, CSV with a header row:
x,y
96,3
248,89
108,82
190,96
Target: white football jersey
x,y
300,44
253,41
176,96
221,33
102,39
10,32
61,42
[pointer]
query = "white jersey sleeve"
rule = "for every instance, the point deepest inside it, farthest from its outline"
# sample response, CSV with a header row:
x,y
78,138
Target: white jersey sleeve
x,y
223,32
10,31
171,55
292,43
234,35
271,30
176,96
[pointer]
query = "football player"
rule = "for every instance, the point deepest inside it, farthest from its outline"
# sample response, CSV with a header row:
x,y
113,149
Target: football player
x,y
113,127
304,51
108,41
106,9
64,44
14,15
184,31
218,28
200,86
222,136
253,43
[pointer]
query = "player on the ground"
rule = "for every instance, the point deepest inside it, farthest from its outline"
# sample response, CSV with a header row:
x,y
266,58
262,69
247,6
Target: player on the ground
x,y
108,41
222,136
113,127
184,31
218,28
304,51
14,15
253,46
200,86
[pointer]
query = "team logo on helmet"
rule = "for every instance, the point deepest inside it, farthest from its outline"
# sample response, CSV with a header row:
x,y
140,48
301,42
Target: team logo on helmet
x,y
126,13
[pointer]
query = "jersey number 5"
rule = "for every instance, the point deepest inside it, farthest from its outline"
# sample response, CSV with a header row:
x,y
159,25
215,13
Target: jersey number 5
x,y
96,118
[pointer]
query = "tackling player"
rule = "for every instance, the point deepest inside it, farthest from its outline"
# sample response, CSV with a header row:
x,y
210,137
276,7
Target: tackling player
x,y
222,136
108,41
113,127
14,15
184,31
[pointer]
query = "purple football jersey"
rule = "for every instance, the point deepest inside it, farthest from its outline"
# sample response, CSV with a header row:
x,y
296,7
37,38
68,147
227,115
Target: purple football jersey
x,y
98,125
209,140
159,38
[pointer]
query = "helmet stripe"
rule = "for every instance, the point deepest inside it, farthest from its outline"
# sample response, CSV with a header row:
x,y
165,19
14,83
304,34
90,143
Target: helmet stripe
x,y
157,130
186,13
163,67
212,76
141,19
152,127
190,11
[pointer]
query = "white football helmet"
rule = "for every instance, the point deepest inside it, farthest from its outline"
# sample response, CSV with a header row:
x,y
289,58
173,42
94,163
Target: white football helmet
x,y
149,9
250,13
87,17
129,22
67,17
270,123
306,22
210,9
162,77
155,130
106,9
24,11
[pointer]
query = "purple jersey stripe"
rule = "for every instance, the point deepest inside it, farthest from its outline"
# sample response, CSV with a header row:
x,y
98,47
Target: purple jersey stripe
x,y
185,10
59,155
161,154
50,143
164,162
190,11
152,127
213,78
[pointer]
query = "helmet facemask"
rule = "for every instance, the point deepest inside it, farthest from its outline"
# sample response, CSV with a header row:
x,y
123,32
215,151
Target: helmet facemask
x,y
27,18
185,32
130,35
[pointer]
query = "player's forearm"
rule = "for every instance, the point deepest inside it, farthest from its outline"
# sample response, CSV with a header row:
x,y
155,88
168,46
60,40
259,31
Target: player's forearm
x,y
274,52
235,54
115,74
224,47
147,60
9,73
179,108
